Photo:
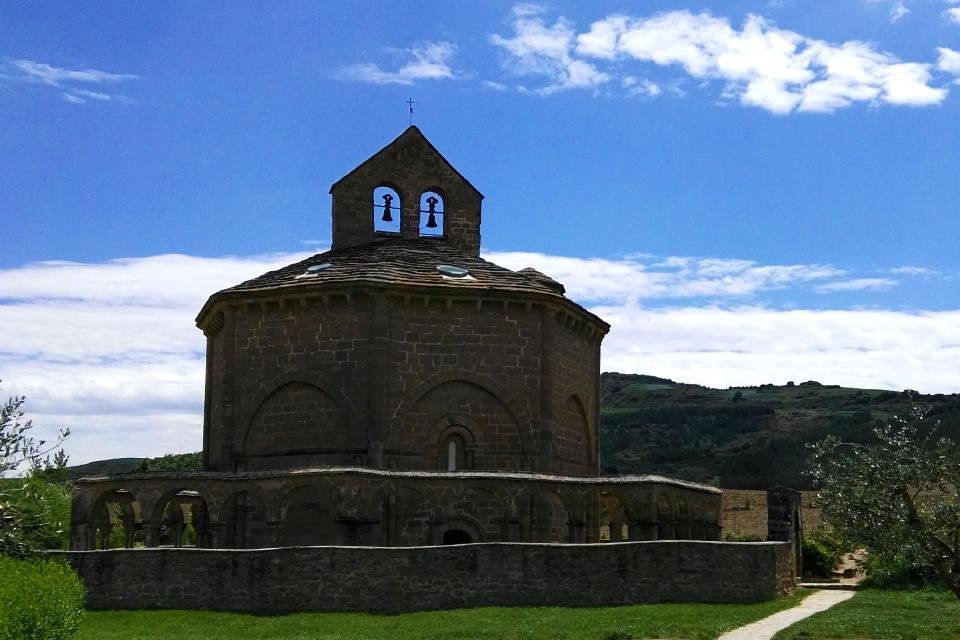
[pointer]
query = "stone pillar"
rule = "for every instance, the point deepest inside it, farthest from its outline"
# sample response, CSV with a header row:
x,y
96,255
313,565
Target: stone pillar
x,y
151,534
783,521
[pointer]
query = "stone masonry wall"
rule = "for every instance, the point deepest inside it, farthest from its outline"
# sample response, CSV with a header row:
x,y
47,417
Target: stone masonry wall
x,y
393,580
745,513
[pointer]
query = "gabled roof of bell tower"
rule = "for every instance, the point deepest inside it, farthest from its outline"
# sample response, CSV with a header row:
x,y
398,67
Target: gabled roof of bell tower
x,y
410,143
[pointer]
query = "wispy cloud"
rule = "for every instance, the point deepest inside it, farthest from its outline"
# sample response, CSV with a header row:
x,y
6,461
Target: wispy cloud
x,y
537,48
426,61
923,272
70,82
600,280
898,11
759,65
953,15
857,284
110,349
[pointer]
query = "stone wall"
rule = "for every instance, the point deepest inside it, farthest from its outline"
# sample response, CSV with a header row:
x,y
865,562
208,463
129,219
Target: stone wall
x,y
745,513
360,379
393,580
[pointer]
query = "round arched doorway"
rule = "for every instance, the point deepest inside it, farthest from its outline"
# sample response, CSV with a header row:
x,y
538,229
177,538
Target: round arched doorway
x,y
457,536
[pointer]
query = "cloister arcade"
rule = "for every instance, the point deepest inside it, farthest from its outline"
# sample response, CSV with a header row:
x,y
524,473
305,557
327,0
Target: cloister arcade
x,y
384,508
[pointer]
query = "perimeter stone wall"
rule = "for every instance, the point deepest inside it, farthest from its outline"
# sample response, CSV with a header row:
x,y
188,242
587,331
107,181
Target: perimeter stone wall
x,y
394,580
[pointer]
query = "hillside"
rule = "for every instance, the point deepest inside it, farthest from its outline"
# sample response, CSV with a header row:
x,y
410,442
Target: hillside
x,y
738,438
103,467
741,437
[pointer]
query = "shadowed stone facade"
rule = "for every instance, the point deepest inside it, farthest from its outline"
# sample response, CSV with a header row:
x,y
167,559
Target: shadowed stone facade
x,y
397,391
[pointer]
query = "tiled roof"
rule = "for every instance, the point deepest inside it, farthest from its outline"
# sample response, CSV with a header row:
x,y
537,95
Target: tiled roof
x,y
399,262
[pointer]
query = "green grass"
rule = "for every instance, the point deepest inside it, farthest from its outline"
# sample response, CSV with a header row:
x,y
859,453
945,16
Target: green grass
x,y
884,615
673,621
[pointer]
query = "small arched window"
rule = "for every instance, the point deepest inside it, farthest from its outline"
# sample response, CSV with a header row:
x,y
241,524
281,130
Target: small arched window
x,y
455,453
431,214
386,210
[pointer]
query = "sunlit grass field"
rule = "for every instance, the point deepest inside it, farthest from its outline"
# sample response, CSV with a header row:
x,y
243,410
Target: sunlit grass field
x,y
884,615
664,621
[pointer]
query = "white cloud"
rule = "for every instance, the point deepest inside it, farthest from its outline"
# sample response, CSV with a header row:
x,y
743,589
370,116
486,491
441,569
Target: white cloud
x,y
898,11
949,60
679,277
70,82
953,15
759,65
111,350
641,87
426,61
915,271
857,284
750,346
540,49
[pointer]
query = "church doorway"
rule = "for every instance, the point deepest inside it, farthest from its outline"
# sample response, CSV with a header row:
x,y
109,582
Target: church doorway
x,y
456,536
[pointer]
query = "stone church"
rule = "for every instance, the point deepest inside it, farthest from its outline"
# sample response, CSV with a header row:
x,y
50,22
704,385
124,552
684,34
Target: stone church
x,y
397,390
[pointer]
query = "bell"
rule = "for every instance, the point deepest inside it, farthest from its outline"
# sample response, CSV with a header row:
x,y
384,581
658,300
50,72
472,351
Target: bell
x,y
432,218
387,198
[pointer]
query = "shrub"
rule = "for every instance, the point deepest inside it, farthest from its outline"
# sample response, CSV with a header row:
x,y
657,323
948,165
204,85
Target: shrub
x,y
40,509
822,551
39,600
735,537
902,571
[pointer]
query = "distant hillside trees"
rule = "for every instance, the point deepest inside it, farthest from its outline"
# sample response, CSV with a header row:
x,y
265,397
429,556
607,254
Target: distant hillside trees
x,y
171,462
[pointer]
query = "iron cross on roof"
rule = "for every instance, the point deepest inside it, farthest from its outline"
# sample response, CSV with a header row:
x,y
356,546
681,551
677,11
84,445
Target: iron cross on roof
x,y
410,103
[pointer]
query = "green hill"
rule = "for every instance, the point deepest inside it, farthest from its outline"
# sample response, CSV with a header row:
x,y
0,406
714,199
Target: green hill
x,y
742,437
103,467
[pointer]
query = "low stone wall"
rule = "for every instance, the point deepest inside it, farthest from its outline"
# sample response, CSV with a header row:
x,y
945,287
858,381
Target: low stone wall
x,y
397,579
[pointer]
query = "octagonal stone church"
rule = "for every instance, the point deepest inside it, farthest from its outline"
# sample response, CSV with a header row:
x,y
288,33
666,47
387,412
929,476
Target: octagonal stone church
x,y
397,390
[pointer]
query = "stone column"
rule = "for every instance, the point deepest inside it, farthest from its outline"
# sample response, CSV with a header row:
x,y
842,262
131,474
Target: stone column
x,y
783,521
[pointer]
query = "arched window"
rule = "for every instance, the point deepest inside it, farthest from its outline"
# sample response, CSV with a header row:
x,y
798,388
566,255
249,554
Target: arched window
x,y
386,210
455,453
431,214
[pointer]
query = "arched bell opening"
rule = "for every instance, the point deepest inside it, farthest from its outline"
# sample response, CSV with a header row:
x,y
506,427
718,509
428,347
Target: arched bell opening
x,y
431,215
387,209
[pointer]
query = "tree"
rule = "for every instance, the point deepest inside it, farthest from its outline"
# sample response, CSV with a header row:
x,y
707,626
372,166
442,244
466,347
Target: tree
x,y
898,497
31,510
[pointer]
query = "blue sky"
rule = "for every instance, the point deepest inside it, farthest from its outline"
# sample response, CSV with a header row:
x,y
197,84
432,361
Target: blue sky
x,y
750,192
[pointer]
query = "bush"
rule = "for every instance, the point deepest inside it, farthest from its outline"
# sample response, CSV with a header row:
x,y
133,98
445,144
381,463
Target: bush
x,y
903,571
41,510
735,537
822,551
39,600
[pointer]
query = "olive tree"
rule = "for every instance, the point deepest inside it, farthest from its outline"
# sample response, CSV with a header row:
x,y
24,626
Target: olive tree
x,y
26,505
898,496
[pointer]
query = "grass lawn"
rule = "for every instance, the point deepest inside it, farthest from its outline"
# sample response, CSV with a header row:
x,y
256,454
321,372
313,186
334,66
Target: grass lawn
x,y
884,615
674,621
